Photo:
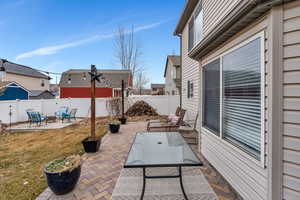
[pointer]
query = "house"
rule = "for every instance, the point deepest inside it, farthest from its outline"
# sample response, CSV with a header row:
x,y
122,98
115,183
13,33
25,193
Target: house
x,y
28,77
54,89
76,83
172,75
41,94
10,90
241,72
157,89
137,91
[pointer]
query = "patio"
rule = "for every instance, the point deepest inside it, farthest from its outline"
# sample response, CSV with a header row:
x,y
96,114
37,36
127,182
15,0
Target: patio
x,y
50,125
100,171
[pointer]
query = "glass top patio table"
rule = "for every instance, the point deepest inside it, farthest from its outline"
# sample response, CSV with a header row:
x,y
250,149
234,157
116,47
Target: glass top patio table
x,y
160,149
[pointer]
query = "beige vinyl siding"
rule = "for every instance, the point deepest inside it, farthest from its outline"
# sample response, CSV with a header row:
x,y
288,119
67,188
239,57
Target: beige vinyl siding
x,y
170,84
190,72
247,175
214,11
291,135
30,83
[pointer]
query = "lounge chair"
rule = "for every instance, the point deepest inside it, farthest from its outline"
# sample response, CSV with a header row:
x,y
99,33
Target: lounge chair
x,y
168,126
177,112
188,129
70,115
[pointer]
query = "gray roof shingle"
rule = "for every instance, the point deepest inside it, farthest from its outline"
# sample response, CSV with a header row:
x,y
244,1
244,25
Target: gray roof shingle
x,y
11,67
81,78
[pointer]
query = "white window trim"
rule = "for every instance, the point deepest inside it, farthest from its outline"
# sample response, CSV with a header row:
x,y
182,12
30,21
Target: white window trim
x,y
262,160
200,3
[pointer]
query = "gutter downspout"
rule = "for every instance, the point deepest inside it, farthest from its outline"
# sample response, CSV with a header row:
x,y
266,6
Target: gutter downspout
x,y
180,87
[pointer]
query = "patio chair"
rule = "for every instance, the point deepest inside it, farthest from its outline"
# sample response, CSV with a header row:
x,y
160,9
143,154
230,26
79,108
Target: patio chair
x,y
35,117
188,129
168,126
70,115
177,112
62,110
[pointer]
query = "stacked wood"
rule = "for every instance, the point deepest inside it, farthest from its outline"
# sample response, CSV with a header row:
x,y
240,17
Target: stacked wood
x,y
141,108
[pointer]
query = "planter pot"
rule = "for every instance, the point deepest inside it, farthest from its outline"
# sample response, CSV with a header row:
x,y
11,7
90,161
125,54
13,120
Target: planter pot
x,y
123,120
63,182
114,128
91,145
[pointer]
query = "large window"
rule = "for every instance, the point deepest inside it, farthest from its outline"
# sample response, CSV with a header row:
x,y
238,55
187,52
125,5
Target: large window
x,y
242,96
196,27
212,96
233,97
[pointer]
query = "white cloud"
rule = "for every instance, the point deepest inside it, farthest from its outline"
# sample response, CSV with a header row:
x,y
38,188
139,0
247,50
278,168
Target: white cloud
x,y
49,50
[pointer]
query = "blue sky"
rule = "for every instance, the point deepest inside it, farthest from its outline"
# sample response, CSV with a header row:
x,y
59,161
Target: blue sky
x,y
56,35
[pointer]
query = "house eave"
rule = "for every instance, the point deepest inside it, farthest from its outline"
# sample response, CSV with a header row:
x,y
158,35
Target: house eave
x,y
185,15
241,16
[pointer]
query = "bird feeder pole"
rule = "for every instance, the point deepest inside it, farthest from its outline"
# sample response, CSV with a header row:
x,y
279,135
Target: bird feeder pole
x,y
93,104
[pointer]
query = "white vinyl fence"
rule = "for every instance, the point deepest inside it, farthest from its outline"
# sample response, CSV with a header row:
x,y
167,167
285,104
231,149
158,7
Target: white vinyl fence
x,y
163,104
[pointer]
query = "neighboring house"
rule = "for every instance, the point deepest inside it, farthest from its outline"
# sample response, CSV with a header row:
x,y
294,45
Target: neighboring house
x,y
157,89
28,77
41,94
172,75
140,92
76,83
241,72
10,90
54,89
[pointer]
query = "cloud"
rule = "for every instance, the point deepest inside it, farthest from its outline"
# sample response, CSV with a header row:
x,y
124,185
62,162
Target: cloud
x,y
49,50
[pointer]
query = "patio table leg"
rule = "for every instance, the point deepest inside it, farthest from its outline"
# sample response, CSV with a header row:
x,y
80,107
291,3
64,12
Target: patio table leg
x,y
181,183
144,183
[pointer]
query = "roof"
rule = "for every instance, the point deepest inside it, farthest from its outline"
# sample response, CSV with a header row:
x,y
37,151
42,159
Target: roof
x,y
35,93
240,17
15,68
81,78
175,60
185,15
4,84
157,85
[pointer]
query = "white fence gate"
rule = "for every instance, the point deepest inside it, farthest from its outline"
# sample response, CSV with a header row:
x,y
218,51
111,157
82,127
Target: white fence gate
x,y
163,104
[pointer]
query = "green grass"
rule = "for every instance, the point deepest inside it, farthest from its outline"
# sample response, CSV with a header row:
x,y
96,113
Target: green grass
x,y
23,156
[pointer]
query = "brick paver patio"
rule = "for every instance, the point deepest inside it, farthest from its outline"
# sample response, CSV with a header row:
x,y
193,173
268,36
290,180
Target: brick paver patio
x,y
100,171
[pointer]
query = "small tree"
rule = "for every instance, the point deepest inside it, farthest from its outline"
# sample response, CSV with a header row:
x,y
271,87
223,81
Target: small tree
x,y
141,81
128,51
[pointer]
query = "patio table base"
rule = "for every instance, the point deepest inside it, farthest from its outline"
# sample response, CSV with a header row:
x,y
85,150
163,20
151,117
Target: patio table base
x,y
163,177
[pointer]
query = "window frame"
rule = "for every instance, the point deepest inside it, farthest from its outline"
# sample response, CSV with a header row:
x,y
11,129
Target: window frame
x,y
262,161
191,24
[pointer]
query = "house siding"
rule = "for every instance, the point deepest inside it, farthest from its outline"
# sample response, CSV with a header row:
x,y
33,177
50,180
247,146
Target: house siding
x,y
170,83
247,176
30,83
85,92
291,97
190,72
214,11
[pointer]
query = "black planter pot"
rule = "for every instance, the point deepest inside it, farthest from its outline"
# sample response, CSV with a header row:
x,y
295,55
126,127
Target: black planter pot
x,y
114,128
63,182
123,120
91,145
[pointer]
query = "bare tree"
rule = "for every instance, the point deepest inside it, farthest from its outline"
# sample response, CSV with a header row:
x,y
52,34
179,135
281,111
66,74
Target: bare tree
x,y
141,80
128,50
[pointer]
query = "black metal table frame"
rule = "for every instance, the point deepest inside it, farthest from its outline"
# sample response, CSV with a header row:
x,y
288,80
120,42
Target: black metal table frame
x,y
179,166
162,177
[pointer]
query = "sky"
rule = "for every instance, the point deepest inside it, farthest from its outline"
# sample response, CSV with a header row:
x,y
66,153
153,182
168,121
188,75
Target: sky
x,y
57,35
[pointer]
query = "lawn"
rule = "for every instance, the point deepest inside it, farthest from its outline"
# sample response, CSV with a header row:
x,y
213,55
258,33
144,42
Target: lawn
x,y
24,154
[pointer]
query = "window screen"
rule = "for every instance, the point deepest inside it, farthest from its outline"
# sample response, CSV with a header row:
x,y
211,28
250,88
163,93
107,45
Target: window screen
x,y
212,96
242,97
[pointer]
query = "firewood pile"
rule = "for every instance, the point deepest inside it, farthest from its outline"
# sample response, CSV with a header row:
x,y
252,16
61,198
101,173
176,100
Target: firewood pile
x,y
141,108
